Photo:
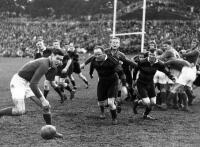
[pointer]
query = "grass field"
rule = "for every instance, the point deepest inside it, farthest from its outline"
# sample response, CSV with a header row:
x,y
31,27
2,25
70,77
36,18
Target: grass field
x,y
78,120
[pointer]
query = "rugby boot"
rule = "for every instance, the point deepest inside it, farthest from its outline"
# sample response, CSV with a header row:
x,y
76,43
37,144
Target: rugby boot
x,y
72,94
148,117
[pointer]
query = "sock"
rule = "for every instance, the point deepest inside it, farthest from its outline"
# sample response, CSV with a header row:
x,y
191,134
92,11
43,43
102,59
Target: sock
x,y
175,99
59,91
68,88
46,93
6,111
73,83
147,111
113,114
102,109
47,118
185,100
85,81
119,93
170,97
158,99
163,97
190,94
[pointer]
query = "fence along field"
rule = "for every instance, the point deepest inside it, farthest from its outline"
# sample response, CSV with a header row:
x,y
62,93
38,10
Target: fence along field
x,y
78,120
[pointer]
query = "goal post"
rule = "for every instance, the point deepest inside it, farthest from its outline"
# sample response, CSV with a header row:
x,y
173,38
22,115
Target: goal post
x,y
114,34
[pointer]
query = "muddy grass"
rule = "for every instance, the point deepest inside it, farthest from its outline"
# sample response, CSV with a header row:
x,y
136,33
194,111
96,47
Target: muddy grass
x,y
78,120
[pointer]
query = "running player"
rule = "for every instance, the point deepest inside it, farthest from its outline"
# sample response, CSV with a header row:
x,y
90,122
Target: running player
x,y
107,89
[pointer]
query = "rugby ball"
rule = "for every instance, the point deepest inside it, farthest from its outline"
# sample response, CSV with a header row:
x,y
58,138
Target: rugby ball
x,y
48,132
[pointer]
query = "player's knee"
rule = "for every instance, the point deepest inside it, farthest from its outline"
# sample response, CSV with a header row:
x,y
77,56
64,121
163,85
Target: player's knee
x,y
102,103
146,101
153,100
111,103
18,111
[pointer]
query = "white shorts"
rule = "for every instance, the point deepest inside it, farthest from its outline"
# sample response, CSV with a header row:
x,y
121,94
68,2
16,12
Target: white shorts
x,y
160,77
187,76
20,90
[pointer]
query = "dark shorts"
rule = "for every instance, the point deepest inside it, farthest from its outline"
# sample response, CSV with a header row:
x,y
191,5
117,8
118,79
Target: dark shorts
x,y
197,81
146,90
77,68
107,89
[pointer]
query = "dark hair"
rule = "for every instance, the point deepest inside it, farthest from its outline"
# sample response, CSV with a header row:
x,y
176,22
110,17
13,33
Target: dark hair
x,y
99,47
57,52
168,42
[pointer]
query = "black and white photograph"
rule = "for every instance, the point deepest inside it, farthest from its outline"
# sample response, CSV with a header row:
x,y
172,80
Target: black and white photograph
x,y
99,73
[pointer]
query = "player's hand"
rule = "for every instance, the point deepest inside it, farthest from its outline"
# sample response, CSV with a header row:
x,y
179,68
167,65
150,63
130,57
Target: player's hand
x,y
124,92
45,104
82,66
64,70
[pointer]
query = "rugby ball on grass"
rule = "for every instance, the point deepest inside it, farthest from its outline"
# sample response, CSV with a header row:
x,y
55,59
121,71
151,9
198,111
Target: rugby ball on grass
x,y
48,132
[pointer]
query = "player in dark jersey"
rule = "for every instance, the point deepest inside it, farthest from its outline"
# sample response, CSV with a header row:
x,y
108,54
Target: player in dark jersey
x,y
64,71
109,72
76,66
114,53
147,68
24,84
42,51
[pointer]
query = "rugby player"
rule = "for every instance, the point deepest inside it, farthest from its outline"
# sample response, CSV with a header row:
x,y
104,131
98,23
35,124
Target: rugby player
x,y
76,66
64,71
107,89
147,68
24,84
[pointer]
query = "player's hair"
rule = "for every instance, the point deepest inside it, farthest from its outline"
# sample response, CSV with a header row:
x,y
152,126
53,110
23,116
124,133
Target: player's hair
x,y
99,47
169,42
57,52
112,38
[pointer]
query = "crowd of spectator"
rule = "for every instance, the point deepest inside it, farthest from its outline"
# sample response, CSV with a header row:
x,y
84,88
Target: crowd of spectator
x,y
17,37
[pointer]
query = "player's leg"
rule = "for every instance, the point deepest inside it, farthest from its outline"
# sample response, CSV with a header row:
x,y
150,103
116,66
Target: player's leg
x,y
84,79
18,90
102,97
142,92
67,87
152,96
188,86
72,81
190,94
112,95
77,70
